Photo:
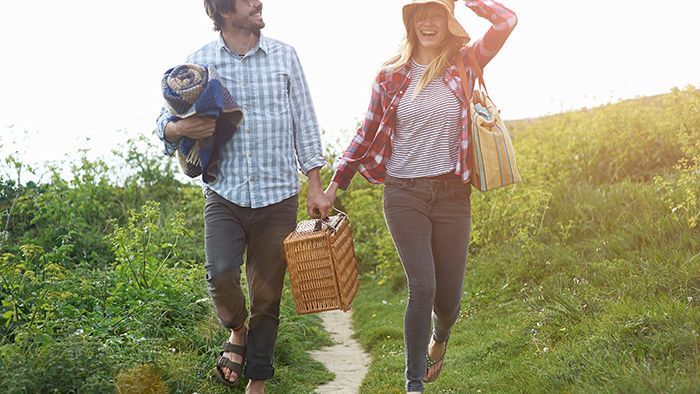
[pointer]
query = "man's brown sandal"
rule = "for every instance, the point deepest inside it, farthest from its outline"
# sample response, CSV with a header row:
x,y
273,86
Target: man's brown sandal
x,y
224,362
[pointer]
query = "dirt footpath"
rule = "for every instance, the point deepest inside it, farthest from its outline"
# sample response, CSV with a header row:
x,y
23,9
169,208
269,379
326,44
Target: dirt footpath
x,y
346,358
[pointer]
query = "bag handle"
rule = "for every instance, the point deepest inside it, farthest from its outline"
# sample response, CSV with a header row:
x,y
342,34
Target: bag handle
x,y
475,67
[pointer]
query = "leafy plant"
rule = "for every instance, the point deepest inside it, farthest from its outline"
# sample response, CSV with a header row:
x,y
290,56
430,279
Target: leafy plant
x,y
683,189
136,245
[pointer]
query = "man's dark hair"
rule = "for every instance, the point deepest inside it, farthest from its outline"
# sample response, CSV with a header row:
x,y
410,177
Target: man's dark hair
x,y
213,7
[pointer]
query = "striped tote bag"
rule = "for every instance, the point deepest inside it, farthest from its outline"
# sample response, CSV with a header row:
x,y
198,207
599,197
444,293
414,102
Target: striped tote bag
x,y
493,157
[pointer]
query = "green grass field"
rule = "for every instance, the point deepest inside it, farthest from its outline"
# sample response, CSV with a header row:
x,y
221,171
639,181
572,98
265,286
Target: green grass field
x,y
584,278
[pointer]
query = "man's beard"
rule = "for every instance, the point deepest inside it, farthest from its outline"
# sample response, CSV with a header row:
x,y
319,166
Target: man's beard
x,y
248,25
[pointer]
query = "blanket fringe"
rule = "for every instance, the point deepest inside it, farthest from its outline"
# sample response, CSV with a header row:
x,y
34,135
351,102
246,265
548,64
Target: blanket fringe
x,y
193,156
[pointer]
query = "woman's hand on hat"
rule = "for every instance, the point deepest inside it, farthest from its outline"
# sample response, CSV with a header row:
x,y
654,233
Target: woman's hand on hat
x,y
478,7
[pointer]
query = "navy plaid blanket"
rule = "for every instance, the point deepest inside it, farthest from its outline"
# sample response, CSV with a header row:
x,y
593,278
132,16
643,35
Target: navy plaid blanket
x,y
196,89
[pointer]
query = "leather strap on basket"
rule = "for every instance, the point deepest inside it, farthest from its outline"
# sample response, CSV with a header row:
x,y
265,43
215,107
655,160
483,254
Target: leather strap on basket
x,y
321,222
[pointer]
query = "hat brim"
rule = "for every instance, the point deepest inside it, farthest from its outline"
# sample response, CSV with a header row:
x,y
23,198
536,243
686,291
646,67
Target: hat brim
x,y
452,23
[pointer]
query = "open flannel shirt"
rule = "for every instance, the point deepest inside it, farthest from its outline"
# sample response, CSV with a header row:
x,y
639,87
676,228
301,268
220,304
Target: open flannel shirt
x,y
370,149
279,133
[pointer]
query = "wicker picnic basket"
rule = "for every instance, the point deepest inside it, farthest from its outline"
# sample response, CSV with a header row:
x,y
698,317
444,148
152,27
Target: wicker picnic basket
x,y
322,266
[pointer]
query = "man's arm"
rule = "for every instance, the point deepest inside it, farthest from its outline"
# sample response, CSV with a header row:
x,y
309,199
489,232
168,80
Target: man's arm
x,y
316,201
171,132
195,127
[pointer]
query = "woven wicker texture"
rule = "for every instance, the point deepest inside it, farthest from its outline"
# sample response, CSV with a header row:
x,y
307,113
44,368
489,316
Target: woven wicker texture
x,y
322,266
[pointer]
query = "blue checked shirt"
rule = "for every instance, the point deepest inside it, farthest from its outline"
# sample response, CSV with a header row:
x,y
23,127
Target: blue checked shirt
x,y
279,134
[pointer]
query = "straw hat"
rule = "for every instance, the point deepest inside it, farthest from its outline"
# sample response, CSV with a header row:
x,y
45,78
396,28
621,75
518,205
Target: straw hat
x,y
455,28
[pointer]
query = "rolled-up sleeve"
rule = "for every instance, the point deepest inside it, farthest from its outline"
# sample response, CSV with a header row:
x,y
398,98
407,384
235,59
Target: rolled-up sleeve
x,y
169,148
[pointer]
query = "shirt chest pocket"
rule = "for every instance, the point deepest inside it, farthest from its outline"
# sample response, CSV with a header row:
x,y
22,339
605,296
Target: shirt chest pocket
x,y
273,96
390,95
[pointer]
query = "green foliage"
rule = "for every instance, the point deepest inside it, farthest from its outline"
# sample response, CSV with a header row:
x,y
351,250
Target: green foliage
x,y
103,288
138,254
65,212
29,287
374,247
683,189
583,278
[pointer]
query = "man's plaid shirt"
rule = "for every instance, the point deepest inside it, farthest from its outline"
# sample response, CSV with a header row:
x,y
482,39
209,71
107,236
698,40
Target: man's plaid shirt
x,y
370,149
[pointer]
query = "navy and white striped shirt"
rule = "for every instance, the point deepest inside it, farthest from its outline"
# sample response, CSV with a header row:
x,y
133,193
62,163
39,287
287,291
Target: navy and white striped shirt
x,y
426,140
279,134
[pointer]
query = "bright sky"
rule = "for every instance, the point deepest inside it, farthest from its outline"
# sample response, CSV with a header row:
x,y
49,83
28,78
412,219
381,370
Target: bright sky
x,y
75,70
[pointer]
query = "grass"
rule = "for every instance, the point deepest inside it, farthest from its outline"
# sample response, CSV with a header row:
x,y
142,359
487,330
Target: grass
x,y
610,307
159,349
584,278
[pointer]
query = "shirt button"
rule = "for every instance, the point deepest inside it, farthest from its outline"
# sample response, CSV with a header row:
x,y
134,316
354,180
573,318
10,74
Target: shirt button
x,y
246,108
245,83
250,154
248,131
242,60
252,179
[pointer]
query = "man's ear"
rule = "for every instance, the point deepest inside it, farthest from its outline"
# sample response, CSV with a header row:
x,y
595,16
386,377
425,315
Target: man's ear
x,y
226,14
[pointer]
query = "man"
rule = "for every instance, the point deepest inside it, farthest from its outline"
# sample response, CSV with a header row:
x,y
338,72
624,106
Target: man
x,y
251,206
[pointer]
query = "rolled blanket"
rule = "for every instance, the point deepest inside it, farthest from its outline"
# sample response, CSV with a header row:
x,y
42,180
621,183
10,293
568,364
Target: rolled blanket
x,y
196,89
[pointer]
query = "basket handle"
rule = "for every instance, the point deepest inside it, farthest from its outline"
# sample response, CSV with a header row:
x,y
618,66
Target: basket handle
x,y
320,222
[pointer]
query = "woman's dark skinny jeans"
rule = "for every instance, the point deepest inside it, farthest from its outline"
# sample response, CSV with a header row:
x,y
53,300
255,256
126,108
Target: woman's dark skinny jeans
x,y
430,223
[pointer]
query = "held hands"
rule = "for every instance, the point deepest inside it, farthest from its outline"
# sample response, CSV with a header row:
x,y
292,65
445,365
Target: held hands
x,y
331,192
326,198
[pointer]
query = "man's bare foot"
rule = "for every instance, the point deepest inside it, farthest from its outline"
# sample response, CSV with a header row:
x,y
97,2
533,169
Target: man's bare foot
x,y
236,338
255,387
436,351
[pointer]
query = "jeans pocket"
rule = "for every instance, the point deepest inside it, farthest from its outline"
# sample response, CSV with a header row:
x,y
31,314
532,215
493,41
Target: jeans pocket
x,y
463,193
391,181
389,189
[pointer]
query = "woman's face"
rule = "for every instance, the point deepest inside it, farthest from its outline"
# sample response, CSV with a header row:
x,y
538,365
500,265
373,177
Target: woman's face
x,y
430,25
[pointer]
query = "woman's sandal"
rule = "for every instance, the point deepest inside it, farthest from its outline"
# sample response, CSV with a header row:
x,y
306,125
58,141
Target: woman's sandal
x,y
430,363
224,362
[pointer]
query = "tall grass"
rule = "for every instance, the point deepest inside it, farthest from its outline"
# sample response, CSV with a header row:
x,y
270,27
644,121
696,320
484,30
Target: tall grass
x,y
102,289
584,278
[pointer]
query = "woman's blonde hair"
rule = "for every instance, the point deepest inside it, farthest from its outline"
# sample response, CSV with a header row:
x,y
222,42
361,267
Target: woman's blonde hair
x,y
436,67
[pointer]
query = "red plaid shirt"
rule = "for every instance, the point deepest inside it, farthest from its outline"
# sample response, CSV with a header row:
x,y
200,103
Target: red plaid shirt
x,y
370,149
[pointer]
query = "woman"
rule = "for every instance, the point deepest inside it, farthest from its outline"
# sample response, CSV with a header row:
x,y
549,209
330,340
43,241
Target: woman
x,y
414,139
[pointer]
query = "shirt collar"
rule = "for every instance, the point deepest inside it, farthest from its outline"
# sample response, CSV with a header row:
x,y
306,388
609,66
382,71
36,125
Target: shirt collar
x,y
261,44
